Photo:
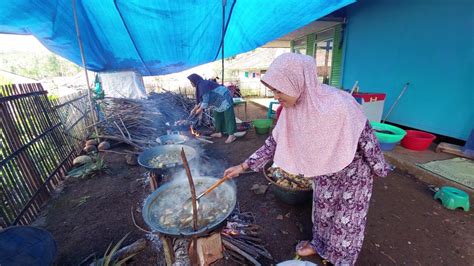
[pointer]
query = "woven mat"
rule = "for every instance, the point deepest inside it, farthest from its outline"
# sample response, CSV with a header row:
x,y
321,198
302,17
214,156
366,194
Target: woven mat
x,y
459,170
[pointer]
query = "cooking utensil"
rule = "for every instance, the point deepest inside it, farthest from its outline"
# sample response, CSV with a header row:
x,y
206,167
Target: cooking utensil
x,y
218,183
147,155
173,138
292,196
222,180
151,214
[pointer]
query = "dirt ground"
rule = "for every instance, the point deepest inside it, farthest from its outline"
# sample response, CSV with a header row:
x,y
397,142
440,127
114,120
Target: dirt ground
x,y
405,225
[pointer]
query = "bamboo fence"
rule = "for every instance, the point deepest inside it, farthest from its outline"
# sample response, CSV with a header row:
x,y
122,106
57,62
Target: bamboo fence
x,y
37,144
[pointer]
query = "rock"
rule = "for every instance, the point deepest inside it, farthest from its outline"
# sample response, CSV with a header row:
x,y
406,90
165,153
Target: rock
x,y
255,186
92,142
104,145
259,189
131,159
89,148
80,160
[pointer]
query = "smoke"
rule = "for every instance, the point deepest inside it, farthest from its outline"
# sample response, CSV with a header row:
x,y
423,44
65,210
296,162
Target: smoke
x,y
172,107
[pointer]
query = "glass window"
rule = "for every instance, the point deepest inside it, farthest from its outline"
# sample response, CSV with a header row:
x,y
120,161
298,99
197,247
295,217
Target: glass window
x,y
324,47
324,60
299,45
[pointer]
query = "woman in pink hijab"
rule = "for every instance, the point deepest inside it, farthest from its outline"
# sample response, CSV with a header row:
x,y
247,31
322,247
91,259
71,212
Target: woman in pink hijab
x,y
323,135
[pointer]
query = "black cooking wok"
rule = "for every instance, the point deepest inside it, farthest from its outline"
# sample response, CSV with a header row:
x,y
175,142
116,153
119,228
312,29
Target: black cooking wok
x,y
151,213
147,155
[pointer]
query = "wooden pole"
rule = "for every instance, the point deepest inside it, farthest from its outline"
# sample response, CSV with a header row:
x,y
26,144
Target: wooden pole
x,y
83,58
193,257
223,35
193,189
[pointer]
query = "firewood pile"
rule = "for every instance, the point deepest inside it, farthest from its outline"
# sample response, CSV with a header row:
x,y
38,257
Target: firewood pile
x,y
241,241
139,122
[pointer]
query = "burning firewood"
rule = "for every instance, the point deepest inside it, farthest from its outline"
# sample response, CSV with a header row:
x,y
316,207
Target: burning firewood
x,y
240,236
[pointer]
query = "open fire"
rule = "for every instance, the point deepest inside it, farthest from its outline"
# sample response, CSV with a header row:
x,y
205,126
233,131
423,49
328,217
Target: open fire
x,y
194,132
198,136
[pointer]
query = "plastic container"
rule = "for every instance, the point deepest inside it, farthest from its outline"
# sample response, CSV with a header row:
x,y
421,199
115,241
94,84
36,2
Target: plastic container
x,y
372,104
417,140
385,146
387,133
262,126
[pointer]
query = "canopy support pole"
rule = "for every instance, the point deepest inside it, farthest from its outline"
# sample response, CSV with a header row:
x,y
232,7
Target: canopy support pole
x,y
81,49
223,35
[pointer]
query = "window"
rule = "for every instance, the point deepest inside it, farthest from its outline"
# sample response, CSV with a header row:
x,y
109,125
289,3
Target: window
x,y
323,55
299,45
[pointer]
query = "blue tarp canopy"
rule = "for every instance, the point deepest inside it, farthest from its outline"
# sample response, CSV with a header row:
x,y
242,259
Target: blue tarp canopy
x,y
157,37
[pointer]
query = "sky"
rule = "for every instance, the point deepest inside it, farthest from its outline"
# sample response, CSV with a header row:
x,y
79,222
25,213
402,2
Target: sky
x,y
20,43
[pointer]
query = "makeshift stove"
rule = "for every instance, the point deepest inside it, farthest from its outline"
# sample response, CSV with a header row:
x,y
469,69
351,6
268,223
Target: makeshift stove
x,y
238,240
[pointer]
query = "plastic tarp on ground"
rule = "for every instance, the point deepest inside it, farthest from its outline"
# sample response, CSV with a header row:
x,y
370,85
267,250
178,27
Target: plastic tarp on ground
x,y
157,37
126,84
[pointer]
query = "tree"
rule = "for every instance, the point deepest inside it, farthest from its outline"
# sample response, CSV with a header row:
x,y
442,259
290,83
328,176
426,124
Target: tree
x,y
52,66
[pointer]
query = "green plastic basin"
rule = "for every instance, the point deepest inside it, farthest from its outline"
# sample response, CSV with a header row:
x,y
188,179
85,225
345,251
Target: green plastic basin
x,y
262,126
388,133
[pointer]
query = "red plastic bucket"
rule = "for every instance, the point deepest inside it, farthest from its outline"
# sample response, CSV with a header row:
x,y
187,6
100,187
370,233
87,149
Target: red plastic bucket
x,y
417,140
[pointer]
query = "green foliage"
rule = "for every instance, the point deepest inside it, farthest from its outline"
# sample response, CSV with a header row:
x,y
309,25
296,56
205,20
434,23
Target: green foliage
x,y
53,97
82,200
97,166
109,253
4,81
36,66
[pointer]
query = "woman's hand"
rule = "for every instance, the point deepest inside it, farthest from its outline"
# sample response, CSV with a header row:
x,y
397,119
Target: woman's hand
x,y
198,111
236,170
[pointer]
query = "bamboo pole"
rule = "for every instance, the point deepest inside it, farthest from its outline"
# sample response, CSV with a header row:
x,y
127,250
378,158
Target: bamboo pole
x,y
83,58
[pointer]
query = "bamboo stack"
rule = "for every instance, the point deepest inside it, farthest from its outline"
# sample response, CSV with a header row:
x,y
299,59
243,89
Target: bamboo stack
x,y
140,122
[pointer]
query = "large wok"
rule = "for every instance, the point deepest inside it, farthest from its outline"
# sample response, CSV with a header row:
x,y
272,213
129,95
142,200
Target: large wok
x,y
163,193
147,155
170,139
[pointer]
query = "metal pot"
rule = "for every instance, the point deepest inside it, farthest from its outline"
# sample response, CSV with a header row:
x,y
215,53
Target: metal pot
x,y
290,196
150,204
147,155
173,138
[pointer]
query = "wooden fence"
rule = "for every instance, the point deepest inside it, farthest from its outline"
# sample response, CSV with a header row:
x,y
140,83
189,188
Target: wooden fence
x,y
37,144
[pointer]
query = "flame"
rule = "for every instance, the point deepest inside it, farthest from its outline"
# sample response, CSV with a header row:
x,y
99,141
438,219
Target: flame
x,y
194,132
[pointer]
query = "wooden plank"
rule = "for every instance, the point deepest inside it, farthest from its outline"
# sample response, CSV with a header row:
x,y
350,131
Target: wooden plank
x,y
209,249
452,149
167,249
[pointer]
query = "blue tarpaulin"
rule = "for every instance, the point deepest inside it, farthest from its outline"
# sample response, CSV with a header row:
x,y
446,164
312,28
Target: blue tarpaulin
x,y
157,37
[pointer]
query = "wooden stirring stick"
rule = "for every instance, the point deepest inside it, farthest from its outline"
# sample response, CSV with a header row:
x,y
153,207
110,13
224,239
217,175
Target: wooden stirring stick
x,y
222,180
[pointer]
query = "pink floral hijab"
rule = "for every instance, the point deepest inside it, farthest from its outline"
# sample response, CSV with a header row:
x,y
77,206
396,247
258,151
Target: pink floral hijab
x,y
320,134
